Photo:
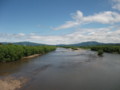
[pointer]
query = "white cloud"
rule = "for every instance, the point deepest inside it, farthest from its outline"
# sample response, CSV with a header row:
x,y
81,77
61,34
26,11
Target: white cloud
x,y
68,24
116,4
107,17
108,34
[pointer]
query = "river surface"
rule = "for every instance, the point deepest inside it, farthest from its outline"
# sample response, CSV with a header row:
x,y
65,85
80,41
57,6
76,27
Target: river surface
x,y
63,69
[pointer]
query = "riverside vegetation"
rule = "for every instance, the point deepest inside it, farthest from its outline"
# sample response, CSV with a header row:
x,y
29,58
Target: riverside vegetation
x,y
99,48
107,48
10,53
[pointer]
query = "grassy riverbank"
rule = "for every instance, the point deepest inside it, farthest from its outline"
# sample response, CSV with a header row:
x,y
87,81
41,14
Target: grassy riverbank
x,y
10,53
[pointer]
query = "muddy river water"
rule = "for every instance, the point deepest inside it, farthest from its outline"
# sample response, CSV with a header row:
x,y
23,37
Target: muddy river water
x,y
63,69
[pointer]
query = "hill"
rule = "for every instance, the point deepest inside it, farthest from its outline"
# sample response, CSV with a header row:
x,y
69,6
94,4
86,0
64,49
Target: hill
x,y
89,43
25,43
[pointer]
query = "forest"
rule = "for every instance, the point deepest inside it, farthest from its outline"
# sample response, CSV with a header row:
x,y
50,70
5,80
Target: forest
x,y
10,53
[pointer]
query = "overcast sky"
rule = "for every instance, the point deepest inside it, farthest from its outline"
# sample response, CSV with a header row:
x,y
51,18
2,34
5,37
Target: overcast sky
x,y
60,21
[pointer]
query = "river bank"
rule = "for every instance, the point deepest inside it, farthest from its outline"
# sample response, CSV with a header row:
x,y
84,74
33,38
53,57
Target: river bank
x,y
31,56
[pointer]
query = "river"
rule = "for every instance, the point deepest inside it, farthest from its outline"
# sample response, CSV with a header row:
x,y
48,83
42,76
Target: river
x,y
63,69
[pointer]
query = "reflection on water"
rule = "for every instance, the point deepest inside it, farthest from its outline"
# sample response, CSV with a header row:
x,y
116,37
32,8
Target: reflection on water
x,y
65,69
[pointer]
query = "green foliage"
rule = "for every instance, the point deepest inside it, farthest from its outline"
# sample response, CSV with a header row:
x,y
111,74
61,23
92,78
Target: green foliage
x,y
15,52
107,48
99,48
100,52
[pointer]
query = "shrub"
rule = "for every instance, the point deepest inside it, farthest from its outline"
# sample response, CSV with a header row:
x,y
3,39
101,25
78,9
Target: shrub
x,y
16,52
100,52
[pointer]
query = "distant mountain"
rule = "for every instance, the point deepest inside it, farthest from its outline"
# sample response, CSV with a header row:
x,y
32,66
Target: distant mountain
x,y
28,43
3,42
89,43
24,43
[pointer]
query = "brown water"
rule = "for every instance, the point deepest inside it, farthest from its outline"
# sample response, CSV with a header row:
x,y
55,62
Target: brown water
x,y
63,69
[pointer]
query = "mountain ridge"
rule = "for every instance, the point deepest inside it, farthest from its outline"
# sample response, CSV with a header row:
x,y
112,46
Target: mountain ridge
x,y
87,43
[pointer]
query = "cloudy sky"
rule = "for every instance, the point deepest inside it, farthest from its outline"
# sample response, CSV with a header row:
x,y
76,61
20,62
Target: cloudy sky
x,y
60,21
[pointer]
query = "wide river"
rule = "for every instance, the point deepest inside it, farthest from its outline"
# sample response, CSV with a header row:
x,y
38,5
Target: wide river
x,y
63,69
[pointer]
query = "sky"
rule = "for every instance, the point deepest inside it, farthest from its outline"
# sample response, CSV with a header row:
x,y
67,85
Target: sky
x,y
60,21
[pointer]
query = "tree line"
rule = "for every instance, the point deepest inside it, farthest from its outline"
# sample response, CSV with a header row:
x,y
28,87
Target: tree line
x,y
100,48
107,48
16,52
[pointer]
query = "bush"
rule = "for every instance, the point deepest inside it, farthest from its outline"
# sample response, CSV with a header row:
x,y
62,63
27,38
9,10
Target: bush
x,y
16,52
107,48
100,52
